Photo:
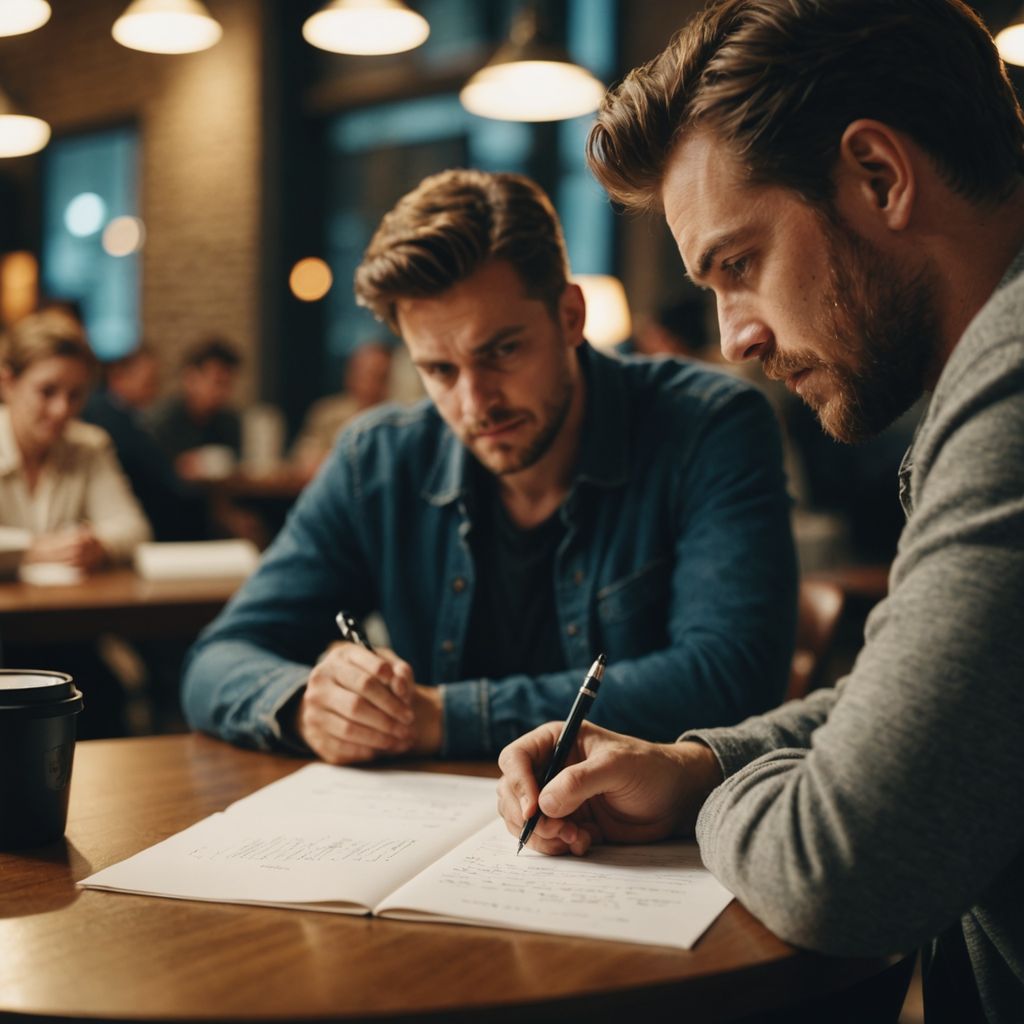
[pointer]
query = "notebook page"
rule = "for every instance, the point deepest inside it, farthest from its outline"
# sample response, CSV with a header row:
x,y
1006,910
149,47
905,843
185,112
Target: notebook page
x,y
331,838
658,894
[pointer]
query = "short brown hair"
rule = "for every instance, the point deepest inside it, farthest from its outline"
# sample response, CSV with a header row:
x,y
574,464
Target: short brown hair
x,y
213,349
778,81
449,226
43,335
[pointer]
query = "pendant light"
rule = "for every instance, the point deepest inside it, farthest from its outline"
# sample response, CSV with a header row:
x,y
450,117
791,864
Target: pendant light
x,y
19,16
167,26
20,134
1010,42
531,78
366,27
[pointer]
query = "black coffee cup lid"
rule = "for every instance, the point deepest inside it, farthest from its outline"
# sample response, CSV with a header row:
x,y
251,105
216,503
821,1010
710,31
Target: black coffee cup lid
x,y
33,686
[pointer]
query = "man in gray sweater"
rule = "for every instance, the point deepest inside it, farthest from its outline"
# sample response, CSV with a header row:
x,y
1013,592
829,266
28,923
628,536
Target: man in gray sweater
x,y
848,177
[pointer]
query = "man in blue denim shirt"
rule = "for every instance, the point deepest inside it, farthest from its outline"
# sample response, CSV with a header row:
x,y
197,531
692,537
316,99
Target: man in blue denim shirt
x,y
547,502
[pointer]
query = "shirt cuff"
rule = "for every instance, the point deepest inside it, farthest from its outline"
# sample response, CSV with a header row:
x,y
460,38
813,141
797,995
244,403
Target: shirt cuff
x,y
466,720
274,712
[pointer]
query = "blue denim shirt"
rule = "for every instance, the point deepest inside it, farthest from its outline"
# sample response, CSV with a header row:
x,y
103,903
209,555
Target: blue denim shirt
x,y
677,562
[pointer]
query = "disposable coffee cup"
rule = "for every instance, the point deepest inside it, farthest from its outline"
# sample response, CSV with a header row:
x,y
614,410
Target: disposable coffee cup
x,y
37,747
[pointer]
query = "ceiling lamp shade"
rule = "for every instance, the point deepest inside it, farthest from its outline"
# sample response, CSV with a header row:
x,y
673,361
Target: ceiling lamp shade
x,y
1010,42
531,79
608,321
167,26
20,134
366,27
18,16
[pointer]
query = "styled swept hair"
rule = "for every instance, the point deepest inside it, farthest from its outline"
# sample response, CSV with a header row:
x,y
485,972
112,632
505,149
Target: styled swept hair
x,y
449,226
778,81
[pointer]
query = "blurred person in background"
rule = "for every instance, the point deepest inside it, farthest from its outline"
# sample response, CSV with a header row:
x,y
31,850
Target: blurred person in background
x,y
59,478
175,509
61,481
677,328
366,384
200,416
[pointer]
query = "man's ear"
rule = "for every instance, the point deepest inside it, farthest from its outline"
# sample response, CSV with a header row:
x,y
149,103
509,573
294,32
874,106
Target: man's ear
x,y
877,172
572,313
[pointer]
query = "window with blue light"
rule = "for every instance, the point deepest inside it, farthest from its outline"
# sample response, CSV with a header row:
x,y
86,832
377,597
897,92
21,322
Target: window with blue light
x,y
92,234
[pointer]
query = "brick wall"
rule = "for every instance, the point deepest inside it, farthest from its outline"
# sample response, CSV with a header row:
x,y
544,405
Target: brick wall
x,y
199,126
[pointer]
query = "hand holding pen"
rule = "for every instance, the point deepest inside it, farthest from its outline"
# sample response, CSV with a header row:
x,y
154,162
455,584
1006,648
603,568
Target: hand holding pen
x,y
567,738
359,702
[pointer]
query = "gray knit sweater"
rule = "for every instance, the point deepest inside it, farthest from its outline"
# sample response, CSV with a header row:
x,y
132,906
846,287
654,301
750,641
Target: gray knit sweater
x,y
888,813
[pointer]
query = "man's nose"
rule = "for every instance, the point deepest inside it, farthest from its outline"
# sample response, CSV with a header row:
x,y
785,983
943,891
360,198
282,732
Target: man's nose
x,y
479,392
743,338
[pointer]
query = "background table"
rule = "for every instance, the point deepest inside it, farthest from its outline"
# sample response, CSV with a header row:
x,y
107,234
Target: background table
x,y
81,953
116,601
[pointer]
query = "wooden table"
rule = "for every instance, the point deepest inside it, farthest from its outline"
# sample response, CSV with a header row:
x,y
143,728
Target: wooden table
x,y
117,601
81,954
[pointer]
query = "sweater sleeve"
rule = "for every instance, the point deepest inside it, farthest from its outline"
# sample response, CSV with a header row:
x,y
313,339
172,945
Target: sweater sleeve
x,y
876,828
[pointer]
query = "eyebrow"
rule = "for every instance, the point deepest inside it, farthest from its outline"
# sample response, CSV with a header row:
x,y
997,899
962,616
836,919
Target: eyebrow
x,y
484,348
707,257
499,336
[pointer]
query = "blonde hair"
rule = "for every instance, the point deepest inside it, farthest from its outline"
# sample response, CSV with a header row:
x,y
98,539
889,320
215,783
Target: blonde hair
x,y
43,335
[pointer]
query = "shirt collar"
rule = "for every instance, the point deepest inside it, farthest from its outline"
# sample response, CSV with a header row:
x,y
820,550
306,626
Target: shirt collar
x,y
604,441
10,455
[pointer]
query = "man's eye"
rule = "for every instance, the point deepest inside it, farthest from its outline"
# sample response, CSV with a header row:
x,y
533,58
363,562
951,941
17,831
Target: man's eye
x,y
506,349
440,371
737,268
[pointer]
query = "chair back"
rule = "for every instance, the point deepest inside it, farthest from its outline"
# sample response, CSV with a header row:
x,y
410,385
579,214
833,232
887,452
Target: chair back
x,y
819,611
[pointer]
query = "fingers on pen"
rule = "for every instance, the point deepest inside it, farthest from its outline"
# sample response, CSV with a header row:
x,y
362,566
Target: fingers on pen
x,y
343,728
570,789
355,677
327,696
522,759
362,710
394,675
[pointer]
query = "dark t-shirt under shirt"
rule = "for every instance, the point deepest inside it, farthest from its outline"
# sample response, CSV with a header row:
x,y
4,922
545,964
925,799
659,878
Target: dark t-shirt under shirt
x,y
513,625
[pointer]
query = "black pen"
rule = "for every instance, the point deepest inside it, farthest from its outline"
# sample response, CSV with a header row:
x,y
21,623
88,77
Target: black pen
x,y
351,631
580,707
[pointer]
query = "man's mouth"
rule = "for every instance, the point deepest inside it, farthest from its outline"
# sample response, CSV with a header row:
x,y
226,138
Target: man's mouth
x,y
497,430
794,380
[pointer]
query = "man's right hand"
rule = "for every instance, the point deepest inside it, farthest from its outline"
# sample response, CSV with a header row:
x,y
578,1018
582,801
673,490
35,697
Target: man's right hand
x,y
615,788
357,705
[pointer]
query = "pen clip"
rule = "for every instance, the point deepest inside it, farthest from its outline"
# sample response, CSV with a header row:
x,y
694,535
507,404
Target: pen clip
x,y
350,630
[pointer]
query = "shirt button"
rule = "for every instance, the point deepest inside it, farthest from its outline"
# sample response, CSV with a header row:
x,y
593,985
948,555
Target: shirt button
x,y
572,629
448,646
458,584
578,577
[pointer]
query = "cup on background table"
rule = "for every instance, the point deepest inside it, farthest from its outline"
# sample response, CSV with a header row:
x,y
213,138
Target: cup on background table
x,y
37,748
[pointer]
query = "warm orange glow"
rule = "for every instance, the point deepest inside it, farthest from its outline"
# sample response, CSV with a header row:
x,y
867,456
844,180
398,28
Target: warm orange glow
x,y
310,279
19,285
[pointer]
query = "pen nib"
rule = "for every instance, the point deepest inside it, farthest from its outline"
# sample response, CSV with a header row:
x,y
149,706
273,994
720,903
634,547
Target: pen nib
x,y
520,850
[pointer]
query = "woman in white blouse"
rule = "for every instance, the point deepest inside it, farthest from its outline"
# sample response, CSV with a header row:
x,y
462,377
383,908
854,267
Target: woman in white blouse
x,y
59,477
60,480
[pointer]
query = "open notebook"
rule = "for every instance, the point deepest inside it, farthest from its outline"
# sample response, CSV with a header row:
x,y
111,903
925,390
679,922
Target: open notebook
x,y
419,846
